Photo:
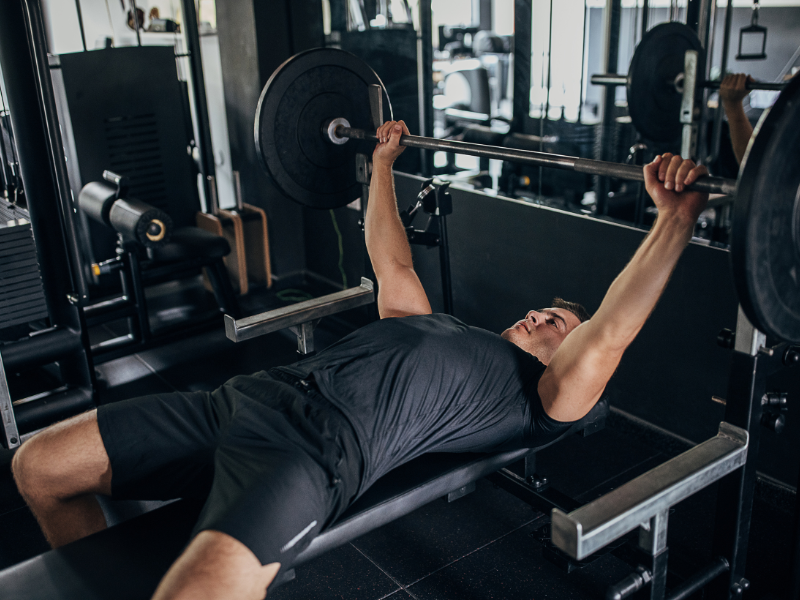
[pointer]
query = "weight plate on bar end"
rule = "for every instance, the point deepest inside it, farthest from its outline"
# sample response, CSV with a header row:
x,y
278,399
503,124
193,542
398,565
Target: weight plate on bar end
x,y
653,102
301,96
765,240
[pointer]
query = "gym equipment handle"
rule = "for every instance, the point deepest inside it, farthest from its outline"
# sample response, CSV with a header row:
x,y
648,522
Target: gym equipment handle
x,y
238,330
715,185
597,524
615,79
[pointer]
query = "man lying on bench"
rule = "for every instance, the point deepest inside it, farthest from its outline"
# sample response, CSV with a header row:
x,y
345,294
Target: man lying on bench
x,y
279,455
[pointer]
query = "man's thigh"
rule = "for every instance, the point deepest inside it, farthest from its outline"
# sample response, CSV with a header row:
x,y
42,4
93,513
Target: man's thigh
x,y
275,502
160,447
66,459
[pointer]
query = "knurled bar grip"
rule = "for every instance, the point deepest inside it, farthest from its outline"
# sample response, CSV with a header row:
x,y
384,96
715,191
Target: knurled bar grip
x,y
616,79
238,330
714,185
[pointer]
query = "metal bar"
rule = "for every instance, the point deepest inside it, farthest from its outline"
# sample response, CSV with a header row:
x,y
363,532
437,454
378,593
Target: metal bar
x,y
716,134
609,79
239,330
700,579
746,386
10,431
586,530
645,17
136,23
689,96
34,21
615,79
717,185
80,23
581,99
523,36
425,78
207,168
444,266
604,135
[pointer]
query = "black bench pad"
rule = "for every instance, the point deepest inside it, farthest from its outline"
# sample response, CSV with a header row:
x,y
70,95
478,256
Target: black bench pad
x,y
126,562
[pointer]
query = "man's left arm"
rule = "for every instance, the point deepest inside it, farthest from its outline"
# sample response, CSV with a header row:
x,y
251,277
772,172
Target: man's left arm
x,y
581,367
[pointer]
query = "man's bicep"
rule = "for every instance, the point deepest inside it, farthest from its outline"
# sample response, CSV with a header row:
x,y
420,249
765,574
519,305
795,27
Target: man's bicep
x,y
400,294
578,373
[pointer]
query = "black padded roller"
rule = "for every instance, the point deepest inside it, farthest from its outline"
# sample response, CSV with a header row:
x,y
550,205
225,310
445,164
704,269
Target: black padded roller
x,y
134,219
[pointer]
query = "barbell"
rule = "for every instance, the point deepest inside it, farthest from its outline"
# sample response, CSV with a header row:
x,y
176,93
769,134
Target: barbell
x,y
655,78
314,115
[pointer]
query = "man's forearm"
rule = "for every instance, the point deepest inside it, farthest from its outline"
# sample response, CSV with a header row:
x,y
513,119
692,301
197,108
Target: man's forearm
x,y
740,128
634,293
387,243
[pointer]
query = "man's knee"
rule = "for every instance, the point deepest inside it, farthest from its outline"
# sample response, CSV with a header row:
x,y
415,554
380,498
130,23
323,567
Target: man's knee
x,y
217,565
64,460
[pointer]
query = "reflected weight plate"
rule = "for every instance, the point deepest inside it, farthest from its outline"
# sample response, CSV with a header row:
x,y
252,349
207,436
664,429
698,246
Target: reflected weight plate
x,y
765,243
653,102
303,94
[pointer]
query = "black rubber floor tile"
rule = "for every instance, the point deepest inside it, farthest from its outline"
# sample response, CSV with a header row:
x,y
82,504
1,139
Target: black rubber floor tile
x,y
577,464
343,573
438,533
205,361
20,538
624,476
128,377
513,568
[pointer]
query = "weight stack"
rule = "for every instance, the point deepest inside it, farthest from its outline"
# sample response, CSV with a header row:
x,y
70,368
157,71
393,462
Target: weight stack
x,y
21,292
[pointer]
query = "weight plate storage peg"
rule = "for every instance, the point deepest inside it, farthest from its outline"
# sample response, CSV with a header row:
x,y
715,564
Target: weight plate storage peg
x,y
653,102
300,99
765,240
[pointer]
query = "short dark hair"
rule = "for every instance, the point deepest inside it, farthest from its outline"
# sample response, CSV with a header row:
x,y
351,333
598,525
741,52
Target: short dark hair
x,y
573,307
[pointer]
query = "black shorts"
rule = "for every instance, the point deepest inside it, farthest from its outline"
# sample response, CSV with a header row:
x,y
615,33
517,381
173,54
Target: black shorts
x,y
275,461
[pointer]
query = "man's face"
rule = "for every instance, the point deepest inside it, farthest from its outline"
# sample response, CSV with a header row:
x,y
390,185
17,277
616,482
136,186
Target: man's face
x,y
541,332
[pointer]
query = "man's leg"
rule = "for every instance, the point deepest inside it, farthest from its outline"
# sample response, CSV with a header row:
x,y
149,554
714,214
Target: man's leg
x,y
215,566
58,472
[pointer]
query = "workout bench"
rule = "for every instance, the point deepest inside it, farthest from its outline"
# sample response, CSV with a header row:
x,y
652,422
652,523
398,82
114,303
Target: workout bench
x,y
126,561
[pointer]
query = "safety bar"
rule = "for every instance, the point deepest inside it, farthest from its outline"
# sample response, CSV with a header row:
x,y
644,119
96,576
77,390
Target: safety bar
x,y
239,330
597,524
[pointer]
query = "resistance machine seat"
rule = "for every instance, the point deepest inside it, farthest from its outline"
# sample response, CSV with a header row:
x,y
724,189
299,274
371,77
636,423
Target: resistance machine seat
x,y
126,561
149,251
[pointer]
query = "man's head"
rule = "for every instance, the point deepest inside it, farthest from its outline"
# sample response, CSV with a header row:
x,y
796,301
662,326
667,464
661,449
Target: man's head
x,y
541,331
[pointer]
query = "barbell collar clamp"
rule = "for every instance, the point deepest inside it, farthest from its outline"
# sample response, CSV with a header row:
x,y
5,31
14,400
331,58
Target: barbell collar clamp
x,y
715,185
329,130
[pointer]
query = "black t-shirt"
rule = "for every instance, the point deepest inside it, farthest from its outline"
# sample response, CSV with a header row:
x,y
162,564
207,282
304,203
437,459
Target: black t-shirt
x,y
430,383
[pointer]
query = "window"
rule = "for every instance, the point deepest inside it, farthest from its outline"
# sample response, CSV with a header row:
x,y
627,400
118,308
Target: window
x,y
561,53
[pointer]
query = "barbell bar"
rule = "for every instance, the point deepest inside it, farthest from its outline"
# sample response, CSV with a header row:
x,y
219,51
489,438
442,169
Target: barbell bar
x,y
615,79
714,185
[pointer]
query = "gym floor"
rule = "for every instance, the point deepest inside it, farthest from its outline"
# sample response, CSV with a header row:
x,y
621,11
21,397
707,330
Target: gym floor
x,y
487,544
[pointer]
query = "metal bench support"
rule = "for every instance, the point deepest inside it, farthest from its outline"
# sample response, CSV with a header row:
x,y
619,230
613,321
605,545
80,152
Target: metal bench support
x,y
301,316
644,503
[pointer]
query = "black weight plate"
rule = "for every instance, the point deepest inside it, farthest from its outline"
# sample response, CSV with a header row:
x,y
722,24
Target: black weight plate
x,y
303,94
653,103
765,242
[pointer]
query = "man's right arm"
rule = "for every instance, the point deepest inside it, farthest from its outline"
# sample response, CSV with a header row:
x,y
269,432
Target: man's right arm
x,y
581,367
400,292
732,92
